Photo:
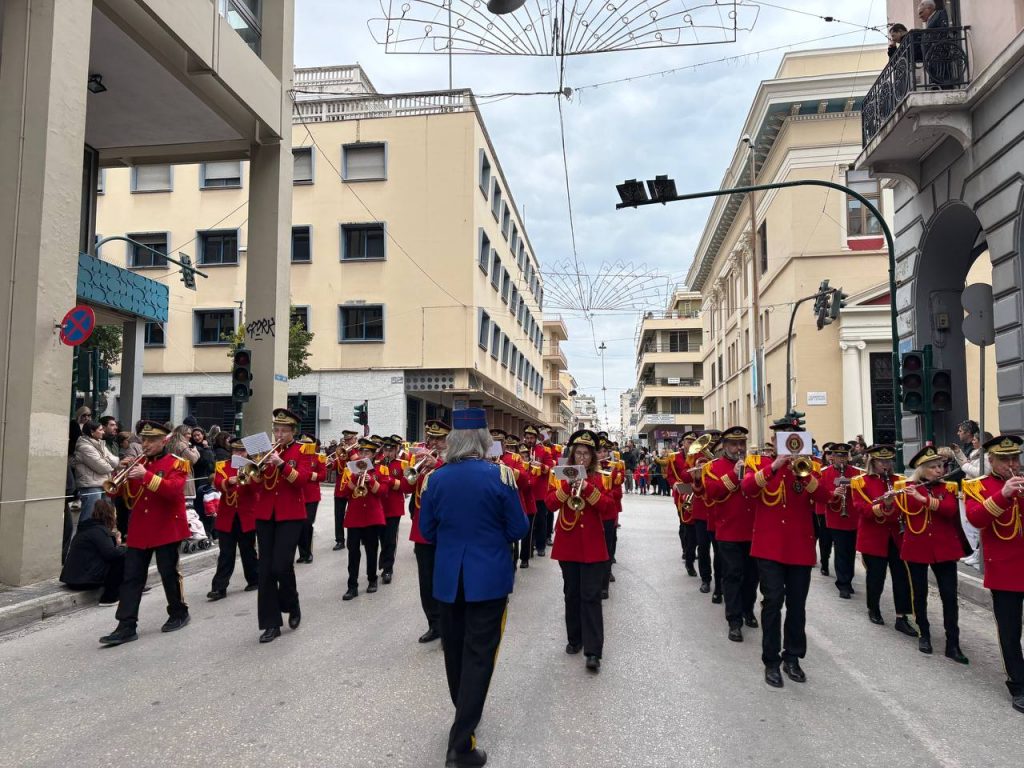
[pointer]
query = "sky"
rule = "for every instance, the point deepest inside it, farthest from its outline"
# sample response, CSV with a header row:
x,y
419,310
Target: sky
x,y
685,124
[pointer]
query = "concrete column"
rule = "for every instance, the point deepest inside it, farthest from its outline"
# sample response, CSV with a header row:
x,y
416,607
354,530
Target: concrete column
x,y
133,342
853,391
268,267
42,136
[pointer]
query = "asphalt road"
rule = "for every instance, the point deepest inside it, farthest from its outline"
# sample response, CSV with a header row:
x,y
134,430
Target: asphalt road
x,y
351,687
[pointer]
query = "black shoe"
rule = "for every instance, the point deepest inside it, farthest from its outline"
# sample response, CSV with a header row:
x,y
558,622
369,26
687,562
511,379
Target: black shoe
x,y
705,587
216,594
475,757
903,625
845,594
572,650
146,589
550,542
924,644
691,571
875,617
386,577
953,652
793,671
736,634
305,559
294,618
593,664
751,621
773,677
824,570
175,623
716,598
269,634
604,594
1018,702
124,633
371,587
430,636
611,577
524,563
352,592
339,545
251,587
614,561
540,553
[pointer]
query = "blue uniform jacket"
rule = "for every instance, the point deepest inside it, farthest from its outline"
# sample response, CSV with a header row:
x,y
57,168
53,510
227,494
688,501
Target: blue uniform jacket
x,y
471,510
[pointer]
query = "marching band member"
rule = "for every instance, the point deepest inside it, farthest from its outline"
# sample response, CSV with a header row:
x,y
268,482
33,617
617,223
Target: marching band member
x,y
931,537
346,452
364,517
235,525
524,483
581,548
311,495
707,548
280,518
542,461
734,529
821,531
879,536
993,506
712,522
530,471
392,499
841,516
676,466
154,491
613,477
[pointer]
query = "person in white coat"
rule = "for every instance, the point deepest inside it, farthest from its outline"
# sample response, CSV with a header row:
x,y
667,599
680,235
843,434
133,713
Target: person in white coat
x,y
93,464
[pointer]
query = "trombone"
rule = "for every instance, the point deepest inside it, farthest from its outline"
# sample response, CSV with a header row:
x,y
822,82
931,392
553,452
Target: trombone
x,y
113,486
251,473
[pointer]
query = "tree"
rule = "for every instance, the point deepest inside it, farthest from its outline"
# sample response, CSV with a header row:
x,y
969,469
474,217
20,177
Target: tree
x,y
107,339
298,346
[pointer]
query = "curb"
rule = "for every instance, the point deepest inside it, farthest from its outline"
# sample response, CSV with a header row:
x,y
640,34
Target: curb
x,y
62,600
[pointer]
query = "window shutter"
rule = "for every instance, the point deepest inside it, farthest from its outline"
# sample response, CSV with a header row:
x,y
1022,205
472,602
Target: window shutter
x,y
364,162
231,169
150,178
303,170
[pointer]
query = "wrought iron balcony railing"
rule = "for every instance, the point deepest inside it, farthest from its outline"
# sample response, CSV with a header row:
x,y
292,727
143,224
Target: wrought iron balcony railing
x,y
926,60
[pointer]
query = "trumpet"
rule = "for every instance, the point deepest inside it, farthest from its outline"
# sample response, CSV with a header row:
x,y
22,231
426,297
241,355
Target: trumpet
x,y
251,473
412,473
576,502
113,486
361,490
802,466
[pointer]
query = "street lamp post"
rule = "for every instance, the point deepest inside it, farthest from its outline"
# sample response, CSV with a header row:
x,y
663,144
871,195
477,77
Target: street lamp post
x,y
755,290
604,390
663,190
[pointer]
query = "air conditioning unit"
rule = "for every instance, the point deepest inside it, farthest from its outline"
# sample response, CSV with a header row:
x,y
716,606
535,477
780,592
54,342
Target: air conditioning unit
x,y
325,413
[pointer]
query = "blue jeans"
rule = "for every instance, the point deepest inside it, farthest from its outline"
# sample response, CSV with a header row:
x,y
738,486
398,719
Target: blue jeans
x,y
89,496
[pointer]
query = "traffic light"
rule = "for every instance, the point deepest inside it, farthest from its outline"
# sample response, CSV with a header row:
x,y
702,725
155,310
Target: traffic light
x,y
821,309
941,389
838,302
103,379
241,375
188,274
361,414
912,381
796,418
82,376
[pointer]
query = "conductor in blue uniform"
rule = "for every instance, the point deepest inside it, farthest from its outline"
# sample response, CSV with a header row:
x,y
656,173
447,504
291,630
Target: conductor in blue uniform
x,y
471,510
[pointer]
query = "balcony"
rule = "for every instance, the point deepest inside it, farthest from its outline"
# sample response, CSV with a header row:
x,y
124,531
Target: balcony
x,y
555,388
670,387
649,421
918,100
373,106
654,352
553,354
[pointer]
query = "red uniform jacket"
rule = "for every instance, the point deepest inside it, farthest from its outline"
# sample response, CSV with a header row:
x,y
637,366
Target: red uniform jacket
x,y
931,532
368,510
318,471
832,509
876,526
614,478
235,500
281,493
579,536
542,455
734,512
524,480
783,513
416,489
700,502
157,502
1002,532
392,499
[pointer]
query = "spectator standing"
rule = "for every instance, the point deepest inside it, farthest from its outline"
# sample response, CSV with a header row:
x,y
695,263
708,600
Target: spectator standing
x,y
93,464
96,558
896,34
110,430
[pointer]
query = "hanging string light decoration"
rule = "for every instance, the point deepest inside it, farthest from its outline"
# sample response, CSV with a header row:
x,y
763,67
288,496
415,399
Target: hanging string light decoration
x,y
615,287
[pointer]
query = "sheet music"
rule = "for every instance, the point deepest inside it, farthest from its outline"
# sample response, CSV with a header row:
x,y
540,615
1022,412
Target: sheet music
x,y
793,443
496,450
258,443
238,462
570,472
358,466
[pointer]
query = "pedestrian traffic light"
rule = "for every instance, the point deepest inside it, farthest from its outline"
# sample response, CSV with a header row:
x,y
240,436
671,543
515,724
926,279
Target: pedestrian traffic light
x,y
796,418
941,389
361,414
241,375
912,381
838,302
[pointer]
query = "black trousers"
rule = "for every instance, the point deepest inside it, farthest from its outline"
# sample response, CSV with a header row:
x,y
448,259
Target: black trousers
x,y
389,543
875,581
549,526
688,538
277,590
844,546
111,583
136,568
945,577
123,515
824,537
526,543
369,537
783,585
425,568
540,528
739,580
340,505
706,545
611,535
245,544
1008,608
471,634
306,537
584,621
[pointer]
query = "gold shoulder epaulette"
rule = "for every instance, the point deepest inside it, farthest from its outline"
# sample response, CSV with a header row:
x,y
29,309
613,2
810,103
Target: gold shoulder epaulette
x,y
899,483
183,464
856,483
951,487
752,462
308,449
508,475
975,489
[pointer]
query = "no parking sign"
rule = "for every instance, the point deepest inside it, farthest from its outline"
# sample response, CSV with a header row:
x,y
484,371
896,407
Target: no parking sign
x,y
77,326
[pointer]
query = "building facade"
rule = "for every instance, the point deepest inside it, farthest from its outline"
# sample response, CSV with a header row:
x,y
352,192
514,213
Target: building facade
x,y
408,258
943,124
803,124
629,415
585,415
557,402
670,372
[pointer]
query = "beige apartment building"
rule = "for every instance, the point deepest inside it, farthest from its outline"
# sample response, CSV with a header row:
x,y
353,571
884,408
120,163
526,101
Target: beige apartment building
x,y
87,86
557,402
670,372
803,124
409,262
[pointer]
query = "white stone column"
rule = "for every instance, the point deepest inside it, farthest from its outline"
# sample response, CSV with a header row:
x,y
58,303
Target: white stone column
x,y
133,343
853,390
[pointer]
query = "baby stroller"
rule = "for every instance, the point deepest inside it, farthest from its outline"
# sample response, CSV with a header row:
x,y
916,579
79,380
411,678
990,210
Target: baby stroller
x,y
197,539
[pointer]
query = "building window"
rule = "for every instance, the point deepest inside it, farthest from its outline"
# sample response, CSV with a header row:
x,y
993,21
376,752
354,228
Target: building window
x,y
506,346
220,175
156,409
522,312
362,242
218,246
140,258
362,323
506,285
302,165
514,241
484,333
762,245
364,162
245,18
483,259
506,221
496,200
213,326
154,335
496,271
768,398
301,250
299,315
521,258
514,303
101,181
495,340
152,178
859,220
485,173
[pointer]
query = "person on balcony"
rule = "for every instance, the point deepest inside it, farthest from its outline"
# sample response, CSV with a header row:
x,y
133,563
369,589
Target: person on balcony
x,y
896,34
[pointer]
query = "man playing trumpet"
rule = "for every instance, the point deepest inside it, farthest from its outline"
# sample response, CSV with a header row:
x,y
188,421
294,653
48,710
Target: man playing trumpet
x,y
841,515
364,518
